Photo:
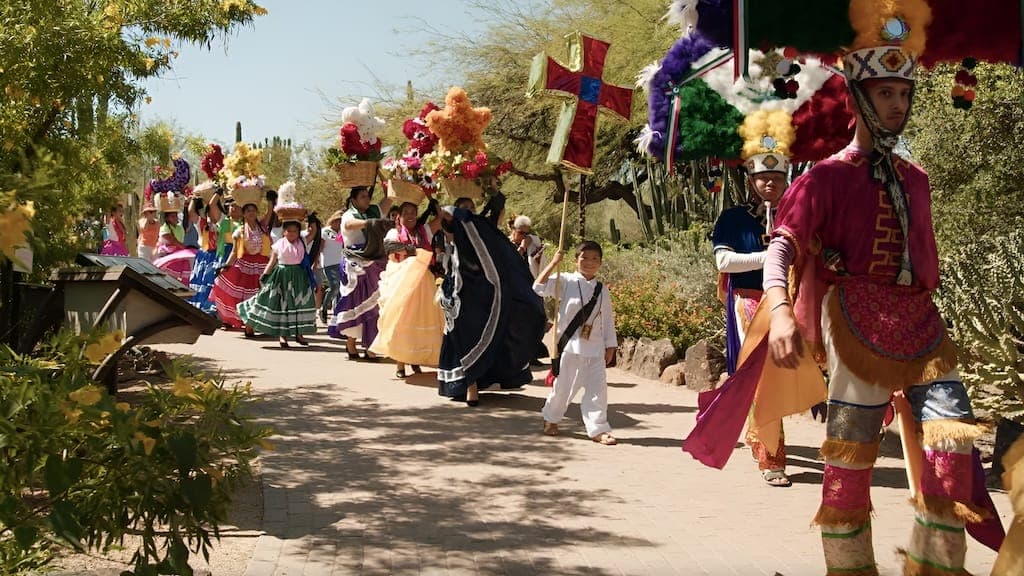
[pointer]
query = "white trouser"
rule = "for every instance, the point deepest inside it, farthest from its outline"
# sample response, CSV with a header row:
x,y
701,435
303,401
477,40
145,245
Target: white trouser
x,y
147,252
578,372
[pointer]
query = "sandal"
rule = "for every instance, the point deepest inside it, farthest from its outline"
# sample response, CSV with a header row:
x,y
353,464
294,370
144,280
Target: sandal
x,y
550,428
301,341
283,343
776,478
400,374
606,439
416,369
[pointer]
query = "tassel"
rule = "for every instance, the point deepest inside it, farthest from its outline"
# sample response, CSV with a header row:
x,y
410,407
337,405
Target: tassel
x,y
914,567
850,452
832,516
947,508
941,432
905,278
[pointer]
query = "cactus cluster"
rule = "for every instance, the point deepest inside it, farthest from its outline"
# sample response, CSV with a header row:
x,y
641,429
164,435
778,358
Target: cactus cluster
x,y
983,299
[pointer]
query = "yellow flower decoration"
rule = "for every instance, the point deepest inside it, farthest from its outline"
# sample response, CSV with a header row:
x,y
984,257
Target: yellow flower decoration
x,y
147,442
86,395
182,388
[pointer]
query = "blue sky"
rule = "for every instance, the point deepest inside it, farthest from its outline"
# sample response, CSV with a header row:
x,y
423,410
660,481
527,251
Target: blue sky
x,y
270,75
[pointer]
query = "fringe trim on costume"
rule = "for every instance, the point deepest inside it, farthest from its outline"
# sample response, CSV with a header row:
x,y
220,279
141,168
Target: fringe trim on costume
x,y
849,451
939,432
832,516
886,372
919,567
947,508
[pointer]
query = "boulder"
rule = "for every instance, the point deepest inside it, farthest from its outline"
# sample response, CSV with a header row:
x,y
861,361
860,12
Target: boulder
x,y
674,374
651,357
627,347
704,364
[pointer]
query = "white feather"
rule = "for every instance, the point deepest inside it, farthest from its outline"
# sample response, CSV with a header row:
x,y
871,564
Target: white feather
x,y
646,75
683,13
643,141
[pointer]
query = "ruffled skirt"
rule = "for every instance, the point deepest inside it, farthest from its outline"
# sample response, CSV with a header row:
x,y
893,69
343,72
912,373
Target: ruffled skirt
x,y
411,323
178,264
237,284
284,305
356,314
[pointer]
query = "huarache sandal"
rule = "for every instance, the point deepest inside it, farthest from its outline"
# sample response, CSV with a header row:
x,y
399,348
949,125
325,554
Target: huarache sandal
x,y
776,478
606,439
550,429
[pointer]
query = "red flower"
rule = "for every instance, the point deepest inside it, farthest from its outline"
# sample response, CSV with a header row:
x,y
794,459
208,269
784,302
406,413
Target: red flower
x,y
503,168
470,170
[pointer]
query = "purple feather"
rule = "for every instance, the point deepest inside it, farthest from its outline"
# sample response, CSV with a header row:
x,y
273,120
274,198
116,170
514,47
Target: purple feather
x,y
177,181
676,64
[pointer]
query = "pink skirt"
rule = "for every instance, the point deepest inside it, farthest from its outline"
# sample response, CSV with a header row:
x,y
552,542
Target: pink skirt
x,y
178,264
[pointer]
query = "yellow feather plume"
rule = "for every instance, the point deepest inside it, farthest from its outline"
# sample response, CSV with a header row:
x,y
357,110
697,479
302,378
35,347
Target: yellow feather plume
x,y
868,18
777,123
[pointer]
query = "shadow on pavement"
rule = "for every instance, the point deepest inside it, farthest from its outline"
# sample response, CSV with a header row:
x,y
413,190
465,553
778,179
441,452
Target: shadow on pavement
x,y
351,467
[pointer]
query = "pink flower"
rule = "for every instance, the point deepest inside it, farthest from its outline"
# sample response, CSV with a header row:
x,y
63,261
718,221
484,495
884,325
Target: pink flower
x,y
481,159
503,168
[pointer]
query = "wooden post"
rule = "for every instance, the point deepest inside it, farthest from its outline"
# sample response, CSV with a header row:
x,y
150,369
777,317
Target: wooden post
x,y
583,207
555,352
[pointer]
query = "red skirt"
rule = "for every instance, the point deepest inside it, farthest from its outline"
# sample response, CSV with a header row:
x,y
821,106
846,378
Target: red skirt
x,y
237,284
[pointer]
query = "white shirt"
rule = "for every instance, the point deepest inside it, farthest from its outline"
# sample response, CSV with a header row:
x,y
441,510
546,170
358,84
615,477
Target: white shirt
x,y
574,292
352,237
330,251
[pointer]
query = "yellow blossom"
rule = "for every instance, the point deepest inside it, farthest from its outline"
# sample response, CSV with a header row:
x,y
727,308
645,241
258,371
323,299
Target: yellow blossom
x,y
260,11
14,223
267,445
86,395
166,42
182,388
122,407
70,414
149,63
147,442
154,423
149,99
108,344
152,41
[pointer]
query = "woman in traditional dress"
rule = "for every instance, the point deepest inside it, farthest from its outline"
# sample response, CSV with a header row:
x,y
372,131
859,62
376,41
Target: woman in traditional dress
x,y
411,322
173,256
239,278
114,243
363,230
284,305
216,243
493,319
313,238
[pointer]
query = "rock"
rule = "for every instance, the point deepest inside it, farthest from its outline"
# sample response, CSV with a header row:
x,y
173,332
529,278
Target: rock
x,y
674,374
703,366
624,360
651,357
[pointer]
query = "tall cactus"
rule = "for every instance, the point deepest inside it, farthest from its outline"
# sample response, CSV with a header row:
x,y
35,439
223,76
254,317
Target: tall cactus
x,y
614,233
983,296
238,131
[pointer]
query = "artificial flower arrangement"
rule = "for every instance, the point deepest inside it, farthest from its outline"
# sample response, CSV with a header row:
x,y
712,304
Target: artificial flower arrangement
x,y
359,147
406,179
168,194
241,172
461,163
212,164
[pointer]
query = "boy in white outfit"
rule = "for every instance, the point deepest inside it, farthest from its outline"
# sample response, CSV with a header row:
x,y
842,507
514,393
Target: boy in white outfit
x,y
590,347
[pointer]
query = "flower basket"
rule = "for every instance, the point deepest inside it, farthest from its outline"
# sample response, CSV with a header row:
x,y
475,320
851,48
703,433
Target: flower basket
x,y
462,188
401,191
291,213
173,203
359,173
248,195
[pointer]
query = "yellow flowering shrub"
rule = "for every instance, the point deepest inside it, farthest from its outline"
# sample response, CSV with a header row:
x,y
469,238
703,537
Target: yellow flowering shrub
x,y
169,461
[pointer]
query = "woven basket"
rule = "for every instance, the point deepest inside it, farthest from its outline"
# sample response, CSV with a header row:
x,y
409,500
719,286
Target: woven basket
x,y
248,195
360,173
205,191
462,188
401,191
291,213
175,203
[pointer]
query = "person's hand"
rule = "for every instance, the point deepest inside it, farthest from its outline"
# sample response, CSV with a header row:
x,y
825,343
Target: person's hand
x,y
557,258
609,356
784,340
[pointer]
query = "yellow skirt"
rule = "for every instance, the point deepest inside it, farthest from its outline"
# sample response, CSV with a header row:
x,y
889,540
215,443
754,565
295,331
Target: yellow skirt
x,y
411,322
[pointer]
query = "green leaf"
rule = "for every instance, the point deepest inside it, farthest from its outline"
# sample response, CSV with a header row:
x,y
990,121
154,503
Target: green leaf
x,y
26,536
183,447
65,525
61,474
197,490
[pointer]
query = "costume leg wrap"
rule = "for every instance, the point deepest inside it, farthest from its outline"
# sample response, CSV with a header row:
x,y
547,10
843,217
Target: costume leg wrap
x,y
938,543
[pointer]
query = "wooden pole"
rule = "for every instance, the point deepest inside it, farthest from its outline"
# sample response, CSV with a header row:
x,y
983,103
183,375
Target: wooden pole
x,y
561,246
583,207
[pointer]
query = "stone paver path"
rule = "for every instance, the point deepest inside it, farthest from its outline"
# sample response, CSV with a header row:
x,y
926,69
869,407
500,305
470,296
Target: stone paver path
x,y
372,475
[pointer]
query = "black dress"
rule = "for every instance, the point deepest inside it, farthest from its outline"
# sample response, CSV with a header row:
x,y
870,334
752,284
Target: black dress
x,y
493,319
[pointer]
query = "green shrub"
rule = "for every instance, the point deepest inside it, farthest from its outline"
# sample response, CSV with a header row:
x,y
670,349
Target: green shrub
x,y
983,298
80,469
666,290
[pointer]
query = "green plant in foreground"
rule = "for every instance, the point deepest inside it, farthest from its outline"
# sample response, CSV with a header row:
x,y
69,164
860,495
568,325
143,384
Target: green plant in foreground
x,y
80,469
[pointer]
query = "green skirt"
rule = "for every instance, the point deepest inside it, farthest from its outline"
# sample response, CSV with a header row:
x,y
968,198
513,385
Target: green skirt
x,y
284,305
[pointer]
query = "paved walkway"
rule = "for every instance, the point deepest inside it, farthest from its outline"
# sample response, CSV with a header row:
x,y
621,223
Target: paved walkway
x,y
372,475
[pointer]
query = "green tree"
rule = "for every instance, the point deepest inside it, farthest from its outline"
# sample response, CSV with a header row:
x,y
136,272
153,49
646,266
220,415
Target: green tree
x,y
71,73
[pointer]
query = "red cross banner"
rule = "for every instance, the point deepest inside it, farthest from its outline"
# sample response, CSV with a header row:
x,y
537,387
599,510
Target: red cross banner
x,y
585,93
